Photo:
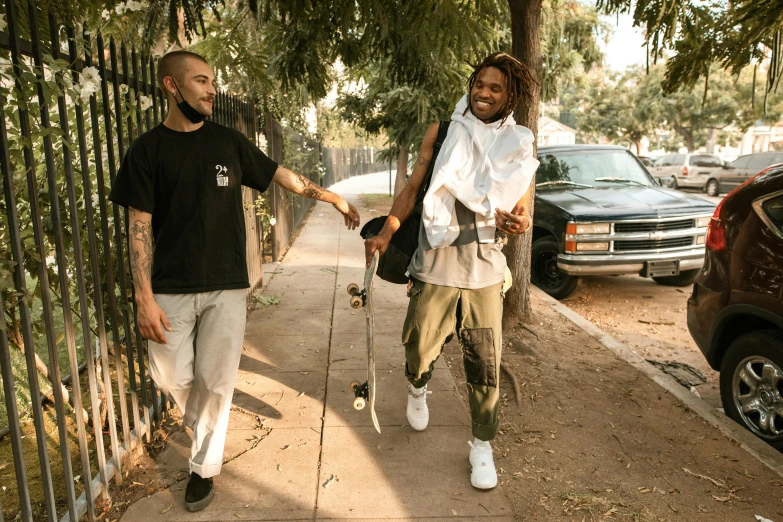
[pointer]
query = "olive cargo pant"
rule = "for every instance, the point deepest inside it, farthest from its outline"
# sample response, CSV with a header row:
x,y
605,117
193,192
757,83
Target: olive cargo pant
x,y
434,313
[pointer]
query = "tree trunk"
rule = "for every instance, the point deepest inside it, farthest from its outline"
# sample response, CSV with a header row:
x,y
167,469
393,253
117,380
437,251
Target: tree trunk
x,y
712,139
686,133
526,46
638,144
402,170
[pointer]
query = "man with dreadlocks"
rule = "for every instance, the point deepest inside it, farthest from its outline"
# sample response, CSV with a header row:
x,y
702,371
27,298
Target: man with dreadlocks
x,y
478,194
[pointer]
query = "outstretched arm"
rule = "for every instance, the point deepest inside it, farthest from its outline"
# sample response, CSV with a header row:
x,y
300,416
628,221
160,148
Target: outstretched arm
x,y
406,200
298,184
150,318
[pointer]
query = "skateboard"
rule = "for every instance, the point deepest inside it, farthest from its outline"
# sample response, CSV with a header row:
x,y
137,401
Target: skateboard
x,y
365,392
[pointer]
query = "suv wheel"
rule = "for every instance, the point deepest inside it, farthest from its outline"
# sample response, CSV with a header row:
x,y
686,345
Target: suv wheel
x,y
713,188
751,384
544,272
685,278
672,182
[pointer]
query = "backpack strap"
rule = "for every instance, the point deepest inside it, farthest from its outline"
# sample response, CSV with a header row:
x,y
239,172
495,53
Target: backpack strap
x,y
443,129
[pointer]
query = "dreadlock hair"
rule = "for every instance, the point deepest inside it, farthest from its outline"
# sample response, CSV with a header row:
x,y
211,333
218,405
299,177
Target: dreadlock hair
x,y
519,82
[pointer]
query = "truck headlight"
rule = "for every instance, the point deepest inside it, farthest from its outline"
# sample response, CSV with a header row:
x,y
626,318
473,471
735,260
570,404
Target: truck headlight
x,y
700,240
702,222
588,228
592,247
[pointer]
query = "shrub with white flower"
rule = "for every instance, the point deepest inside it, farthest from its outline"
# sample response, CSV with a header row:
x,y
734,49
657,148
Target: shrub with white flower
x,y
92,75
106,14
272,221
130,5
145,102
89,83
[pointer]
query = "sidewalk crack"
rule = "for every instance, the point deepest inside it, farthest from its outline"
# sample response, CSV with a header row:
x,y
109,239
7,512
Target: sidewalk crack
x,y
326,386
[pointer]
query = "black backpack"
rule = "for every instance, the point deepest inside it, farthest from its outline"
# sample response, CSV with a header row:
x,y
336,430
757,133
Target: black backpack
x,y
393,264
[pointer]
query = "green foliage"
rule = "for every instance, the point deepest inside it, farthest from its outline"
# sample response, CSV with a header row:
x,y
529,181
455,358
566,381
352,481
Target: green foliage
x,y
265,300
701,34
55,81
626,107
404,109
612,109
570,32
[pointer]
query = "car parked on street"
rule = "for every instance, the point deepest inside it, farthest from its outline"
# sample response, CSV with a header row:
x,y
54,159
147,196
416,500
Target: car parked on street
x,y
735,313
599,212
685,170
739,171
647,162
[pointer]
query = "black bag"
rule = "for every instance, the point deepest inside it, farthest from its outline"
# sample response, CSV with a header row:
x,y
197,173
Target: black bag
x,y
393,264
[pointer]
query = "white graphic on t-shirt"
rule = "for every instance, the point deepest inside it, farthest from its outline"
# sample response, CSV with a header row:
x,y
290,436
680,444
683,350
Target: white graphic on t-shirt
x,y
222,179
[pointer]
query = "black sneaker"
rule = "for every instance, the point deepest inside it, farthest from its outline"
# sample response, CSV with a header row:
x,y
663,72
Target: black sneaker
x,y
199,492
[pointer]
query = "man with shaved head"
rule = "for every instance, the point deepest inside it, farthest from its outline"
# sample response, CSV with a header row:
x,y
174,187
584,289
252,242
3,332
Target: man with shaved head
x,y
182,183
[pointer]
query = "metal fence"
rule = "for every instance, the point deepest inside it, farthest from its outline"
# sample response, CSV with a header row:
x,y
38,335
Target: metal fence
x,y
341,164
67,294
322,165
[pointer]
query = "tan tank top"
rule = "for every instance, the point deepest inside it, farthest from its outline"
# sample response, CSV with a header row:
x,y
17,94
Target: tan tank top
x,y
466,263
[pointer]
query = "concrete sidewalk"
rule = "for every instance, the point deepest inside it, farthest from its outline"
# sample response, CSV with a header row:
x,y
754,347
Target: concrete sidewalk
x,y
296,449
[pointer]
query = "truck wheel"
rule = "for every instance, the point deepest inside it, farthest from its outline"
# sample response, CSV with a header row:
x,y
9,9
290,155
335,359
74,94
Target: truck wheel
x,y
686,278
713,188
544,272
751,383
673,183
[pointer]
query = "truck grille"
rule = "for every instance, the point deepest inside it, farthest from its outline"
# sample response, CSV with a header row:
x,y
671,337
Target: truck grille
x,y
652,227
652,244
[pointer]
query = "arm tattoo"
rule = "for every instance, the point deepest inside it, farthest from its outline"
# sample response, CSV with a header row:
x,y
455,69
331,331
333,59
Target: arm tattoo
x,y
308,188
423,162
142,253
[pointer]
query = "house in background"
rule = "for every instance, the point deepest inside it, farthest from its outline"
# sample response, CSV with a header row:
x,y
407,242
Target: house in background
x,y
552,132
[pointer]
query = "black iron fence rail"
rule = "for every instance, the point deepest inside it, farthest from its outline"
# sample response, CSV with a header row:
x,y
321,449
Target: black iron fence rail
x,y
58,160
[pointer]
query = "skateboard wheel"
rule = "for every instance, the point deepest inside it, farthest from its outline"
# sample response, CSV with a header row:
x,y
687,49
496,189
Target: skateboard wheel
x,y
358,403
353,289
354,385
356,302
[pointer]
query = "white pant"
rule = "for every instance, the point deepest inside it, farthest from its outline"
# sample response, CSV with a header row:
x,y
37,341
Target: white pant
x,y
198,366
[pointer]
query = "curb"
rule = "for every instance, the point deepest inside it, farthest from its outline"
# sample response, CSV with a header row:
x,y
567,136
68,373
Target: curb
x,y
757,448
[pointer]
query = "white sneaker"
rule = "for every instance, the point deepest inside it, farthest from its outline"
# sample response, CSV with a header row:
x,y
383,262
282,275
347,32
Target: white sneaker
x,y
483,475
418,413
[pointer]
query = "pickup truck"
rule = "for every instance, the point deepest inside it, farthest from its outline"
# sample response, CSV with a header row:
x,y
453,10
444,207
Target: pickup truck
x,y
598,211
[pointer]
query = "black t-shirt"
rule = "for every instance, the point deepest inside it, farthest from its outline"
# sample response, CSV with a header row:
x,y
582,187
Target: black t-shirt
x,y
191,183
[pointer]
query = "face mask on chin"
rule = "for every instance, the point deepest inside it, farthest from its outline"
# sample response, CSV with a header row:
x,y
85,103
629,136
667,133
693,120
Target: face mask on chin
x,y
187,110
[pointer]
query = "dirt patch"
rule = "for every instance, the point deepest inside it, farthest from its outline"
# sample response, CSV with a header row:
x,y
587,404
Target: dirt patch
x,y
144,478
596,439
649,318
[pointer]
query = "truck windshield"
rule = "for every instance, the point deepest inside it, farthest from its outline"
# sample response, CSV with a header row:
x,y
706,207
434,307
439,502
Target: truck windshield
x,y
598,168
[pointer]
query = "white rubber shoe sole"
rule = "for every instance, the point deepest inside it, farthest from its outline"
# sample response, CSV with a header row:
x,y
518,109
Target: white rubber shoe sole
x,y
483,474
418,413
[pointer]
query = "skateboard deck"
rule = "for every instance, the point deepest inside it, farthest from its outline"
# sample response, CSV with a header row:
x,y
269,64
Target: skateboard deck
x,y
363,299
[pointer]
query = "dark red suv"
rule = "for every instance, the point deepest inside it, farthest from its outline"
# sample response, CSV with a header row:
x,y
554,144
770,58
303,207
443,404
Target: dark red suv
x,y
735,314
